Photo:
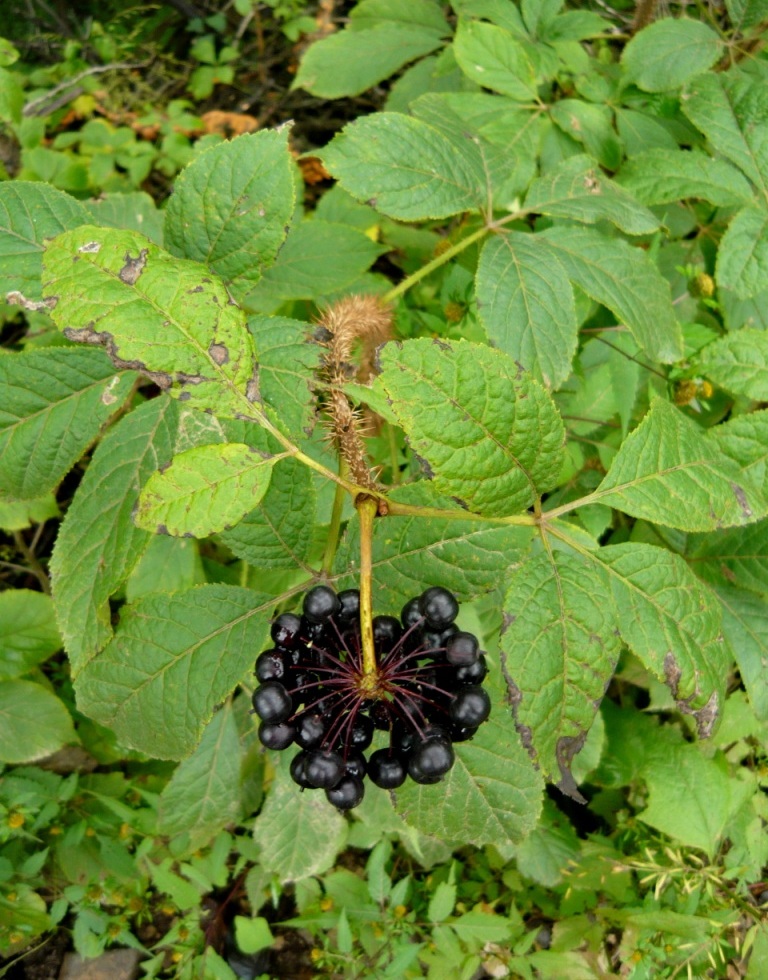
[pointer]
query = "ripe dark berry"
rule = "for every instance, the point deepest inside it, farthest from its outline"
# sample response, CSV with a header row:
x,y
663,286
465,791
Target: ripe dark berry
x,y
348,793
462,734
324,768
470,706
437,639
349,608
462,649
439,607
299,770
472,673
277,737
386,769
270,666
411,614
386,632
355,765
361,732
310,730
285,630
320,603
272,703
431,758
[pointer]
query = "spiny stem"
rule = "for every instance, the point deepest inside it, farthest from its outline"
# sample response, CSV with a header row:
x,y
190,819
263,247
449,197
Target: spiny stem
x,y
334,528
367,508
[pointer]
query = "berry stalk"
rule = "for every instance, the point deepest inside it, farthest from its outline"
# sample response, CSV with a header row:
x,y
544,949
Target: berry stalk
x,y
367,508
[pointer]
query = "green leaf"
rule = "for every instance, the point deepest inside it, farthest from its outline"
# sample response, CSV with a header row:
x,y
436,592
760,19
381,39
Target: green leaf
x,y
525,302
590,125
669,53
745,14
744,439
490,434
742,259
204,490
279,532
288,362
424,13
661,176
350,62
30,213
33,722
745,626
491,56
670,621
302,269
442,902
203,795
466,557
669,472
28,632
252,934
231,206
559,647
492,795
53,404
404,168
98,543
544,855
625,280
578,189
18,515
733,113
135,211
300,834
692,798
738,363
173,658
164,316
11,97
167,565
738,557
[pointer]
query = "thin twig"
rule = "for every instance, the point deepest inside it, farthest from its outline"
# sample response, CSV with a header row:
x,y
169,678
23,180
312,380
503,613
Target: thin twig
x,y
30,109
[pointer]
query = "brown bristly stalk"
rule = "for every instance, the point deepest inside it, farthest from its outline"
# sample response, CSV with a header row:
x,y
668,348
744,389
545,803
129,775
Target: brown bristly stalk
x,y
352,319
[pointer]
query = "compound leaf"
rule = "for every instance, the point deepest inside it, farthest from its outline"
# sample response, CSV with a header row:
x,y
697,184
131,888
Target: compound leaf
x,y
525,302
742,258
490,434
738,363
203,794
559,647
669,472
491,56
204,490
98,544
664,176
405,168
167,317
30,213
279,532
33,722
625,280
669,53
350,62
173,658
578,189
28,632
53,404
231,206
670,621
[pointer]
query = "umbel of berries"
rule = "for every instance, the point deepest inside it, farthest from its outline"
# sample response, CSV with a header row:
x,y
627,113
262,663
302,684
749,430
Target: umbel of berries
x,y
317,692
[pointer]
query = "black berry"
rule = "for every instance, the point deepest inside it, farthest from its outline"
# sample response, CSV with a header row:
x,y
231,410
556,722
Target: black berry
x,y
299,770
411,614
386,769
472,673
320,603
349,608
285,630
386,632
324,768
272,703
462,649
432,758
270,666
348,793
470,706
277,736
310,730
439,607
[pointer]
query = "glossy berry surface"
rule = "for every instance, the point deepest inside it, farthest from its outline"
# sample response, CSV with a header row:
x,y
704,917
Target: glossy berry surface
x,y
272,703
421,695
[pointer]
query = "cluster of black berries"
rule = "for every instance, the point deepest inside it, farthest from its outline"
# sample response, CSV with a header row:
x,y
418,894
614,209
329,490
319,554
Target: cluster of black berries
x,y
313,692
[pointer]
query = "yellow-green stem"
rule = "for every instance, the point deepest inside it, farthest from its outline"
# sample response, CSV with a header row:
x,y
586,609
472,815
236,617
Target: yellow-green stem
x,y
367,508
439,260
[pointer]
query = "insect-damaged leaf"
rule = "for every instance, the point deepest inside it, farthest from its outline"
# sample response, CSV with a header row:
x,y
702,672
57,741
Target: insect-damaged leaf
x,y
169,318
